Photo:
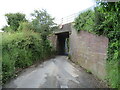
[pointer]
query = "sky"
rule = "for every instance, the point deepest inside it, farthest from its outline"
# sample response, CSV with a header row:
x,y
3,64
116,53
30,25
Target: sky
x,y
56,8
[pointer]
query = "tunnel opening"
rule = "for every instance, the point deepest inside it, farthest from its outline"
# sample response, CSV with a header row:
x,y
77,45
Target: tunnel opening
x,y
63,43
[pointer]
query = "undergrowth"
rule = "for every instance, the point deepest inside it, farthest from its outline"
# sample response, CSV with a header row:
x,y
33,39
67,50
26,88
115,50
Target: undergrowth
x,y
20,50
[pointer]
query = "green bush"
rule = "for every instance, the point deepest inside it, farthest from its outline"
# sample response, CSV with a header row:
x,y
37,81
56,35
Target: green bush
x,y
25,26
106,22
20,50
85,21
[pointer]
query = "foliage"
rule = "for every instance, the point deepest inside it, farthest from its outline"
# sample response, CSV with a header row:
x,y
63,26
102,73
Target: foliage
x,y
20,50
35,25
14,19
25,26
110,27
42,22
7,29
107,23
22,45
85,21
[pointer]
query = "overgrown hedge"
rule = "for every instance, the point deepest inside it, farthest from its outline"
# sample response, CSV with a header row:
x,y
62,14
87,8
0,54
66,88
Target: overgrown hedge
x,y
20,50
105,20
85,21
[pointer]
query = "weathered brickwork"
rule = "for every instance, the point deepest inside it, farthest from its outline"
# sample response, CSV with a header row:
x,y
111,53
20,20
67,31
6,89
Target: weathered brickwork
x,y
89,51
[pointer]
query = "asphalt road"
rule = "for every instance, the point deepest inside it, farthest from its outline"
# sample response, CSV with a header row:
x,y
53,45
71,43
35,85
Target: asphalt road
x,y
58,72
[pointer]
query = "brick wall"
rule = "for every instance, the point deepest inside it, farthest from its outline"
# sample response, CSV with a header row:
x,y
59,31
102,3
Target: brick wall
x,y
89,51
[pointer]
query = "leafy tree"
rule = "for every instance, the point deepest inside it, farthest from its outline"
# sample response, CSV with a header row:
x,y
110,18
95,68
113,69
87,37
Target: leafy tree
x,y
35,25
42,23
14,19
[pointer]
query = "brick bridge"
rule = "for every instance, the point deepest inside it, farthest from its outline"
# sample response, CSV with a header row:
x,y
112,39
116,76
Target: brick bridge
x,y
62,35
86,49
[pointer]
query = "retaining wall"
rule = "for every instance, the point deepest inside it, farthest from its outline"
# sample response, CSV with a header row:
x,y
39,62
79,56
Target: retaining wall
x,y
89,51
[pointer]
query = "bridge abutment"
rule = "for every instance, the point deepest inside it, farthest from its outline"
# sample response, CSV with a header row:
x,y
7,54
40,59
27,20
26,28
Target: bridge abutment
x,y
86,49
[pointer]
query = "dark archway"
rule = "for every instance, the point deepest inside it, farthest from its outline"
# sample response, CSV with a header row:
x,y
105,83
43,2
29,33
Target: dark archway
x,y
61,42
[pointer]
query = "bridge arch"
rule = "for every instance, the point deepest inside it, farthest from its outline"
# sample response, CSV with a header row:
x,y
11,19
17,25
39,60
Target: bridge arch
x,y
62,43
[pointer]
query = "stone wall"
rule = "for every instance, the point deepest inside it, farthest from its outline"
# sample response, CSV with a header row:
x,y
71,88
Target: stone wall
x,y
89,51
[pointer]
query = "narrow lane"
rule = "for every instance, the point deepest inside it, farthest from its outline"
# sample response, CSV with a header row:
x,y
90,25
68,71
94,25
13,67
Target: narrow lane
x,y
58,72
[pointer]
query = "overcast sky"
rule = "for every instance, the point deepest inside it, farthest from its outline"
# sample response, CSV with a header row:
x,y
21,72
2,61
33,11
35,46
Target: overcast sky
x,y
56,8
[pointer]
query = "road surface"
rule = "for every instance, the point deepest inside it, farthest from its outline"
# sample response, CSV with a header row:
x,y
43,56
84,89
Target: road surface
x,y
58,72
